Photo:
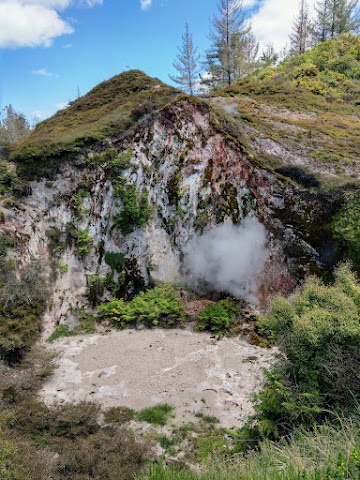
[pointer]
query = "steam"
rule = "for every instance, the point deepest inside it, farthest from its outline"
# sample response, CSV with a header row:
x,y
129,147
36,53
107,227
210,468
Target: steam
x,y
228,258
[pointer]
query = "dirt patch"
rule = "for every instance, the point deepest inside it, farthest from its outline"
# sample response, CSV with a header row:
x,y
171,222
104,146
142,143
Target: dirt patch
x,y
192,371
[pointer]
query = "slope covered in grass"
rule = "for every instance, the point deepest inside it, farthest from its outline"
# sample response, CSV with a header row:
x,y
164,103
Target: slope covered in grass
x,y
304,112
111,107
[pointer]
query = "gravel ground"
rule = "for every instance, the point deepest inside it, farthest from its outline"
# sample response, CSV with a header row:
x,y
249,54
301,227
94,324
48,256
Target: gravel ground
x,y
192,371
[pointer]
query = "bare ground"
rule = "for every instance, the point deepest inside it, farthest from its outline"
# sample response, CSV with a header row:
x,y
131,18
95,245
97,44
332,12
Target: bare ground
x,y
194,372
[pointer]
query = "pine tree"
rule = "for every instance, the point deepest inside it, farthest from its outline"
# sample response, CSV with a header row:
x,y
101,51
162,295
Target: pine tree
x,y
269,56
300,39
335,17
13,125
234,48
187,63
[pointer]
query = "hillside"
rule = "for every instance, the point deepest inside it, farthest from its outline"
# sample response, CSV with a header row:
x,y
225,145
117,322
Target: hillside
x,y
164,248
109,108
305,112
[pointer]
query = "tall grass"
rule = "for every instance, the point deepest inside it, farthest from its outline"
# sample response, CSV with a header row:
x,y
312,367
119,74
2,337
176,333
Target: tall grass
x,y
330,452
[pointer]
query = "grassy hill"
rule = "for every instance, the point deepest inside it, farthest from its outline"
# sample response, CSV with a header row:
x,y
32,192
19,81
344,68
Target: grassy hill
x,y
305,112
112,106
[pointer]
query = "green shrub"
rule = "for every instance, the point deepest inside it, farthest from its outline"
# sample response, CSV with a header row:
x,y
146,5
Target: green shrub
x,y
119,164
135,210
157,306
22,304
83,242
80,210
319,332
157,415
119,415
219,316
346,228
115,260
95,289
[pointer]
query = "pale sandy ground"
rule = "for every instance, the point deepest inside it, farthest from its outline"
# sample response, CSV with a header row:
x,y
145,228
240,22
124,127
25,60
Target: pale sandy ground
x,y
192,371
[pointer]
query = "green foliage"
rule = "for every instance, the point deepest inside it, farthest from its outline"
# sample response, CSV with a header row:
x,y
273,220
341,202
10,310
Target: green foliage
x,y
107,109
157,415
10,183
5,243
135,210
319,332
159,306
22,303
115,260
329,452
119,164
330,69
95,289
86,325
80,210
219,316
83,242
346,228
56,244
119,415
63,267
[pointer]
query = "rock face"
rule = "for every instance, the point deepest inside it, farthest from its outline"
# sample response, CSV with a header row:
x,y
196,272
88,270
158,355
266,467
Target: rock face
x,y
194,175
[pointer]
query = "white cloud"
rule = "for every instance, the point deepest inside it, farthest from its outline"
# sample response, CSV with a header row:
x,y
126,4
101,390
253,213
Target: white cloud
x,y
145,4
44,73
273,22
62,105
31,23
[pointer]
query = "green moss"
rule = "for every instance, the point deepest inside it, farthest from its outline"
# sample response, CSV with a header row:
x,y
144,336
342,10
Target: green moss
x,y
110,108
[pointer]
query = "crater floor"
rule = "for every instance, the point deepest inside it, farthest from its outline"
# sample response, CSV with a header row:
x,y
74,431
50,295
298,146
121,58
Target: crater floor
x,y
194,372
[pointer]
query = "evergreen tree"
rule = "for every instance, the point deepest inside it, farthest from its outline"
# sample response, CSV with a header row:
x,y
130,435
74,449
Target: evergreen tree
x,y
234,49
301,36
269,56
187,63
13,125
335,17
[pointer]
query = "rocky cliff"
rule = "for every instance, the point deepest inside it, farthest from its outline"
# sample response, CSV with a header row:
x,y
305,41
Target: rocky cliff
x,y
117,213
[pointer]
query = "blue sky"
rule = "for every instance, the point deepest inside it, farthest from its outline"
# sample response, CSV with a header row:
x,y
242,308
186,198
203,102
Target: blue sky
x,y
50,49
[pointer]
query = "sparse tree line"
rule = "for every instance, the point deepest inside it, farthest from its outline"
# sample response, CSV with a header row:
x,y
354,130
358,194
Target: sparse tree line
x,y
234,50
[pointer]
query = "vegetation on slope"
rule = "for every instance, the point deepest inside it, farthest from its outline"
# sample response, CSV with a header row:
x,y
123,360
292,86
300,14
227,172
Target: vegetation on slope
x,y
330,70
319,333
111,107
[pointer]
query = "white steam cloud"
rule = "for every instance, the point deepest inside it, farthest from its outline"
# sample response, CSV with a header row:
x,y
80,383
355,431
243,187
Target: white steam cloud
x,y
229,258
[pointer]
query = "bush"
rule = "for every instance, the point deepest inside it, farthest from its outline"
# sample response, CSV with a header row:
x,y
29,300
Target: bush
x,y
118,415
135,210
22,304
115,260
346,228
83,242
319,332
219,316
157,415
157,306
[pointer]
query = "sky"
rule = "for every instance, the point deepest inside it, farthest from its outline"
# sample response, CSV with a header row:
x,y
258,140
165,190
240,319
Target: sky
x,y
53,50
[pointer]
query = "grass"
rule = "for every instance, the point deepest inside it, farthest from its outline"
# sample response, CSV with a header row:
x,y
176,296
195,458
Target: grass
x,y
87,325
157,415
111,107
330,452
